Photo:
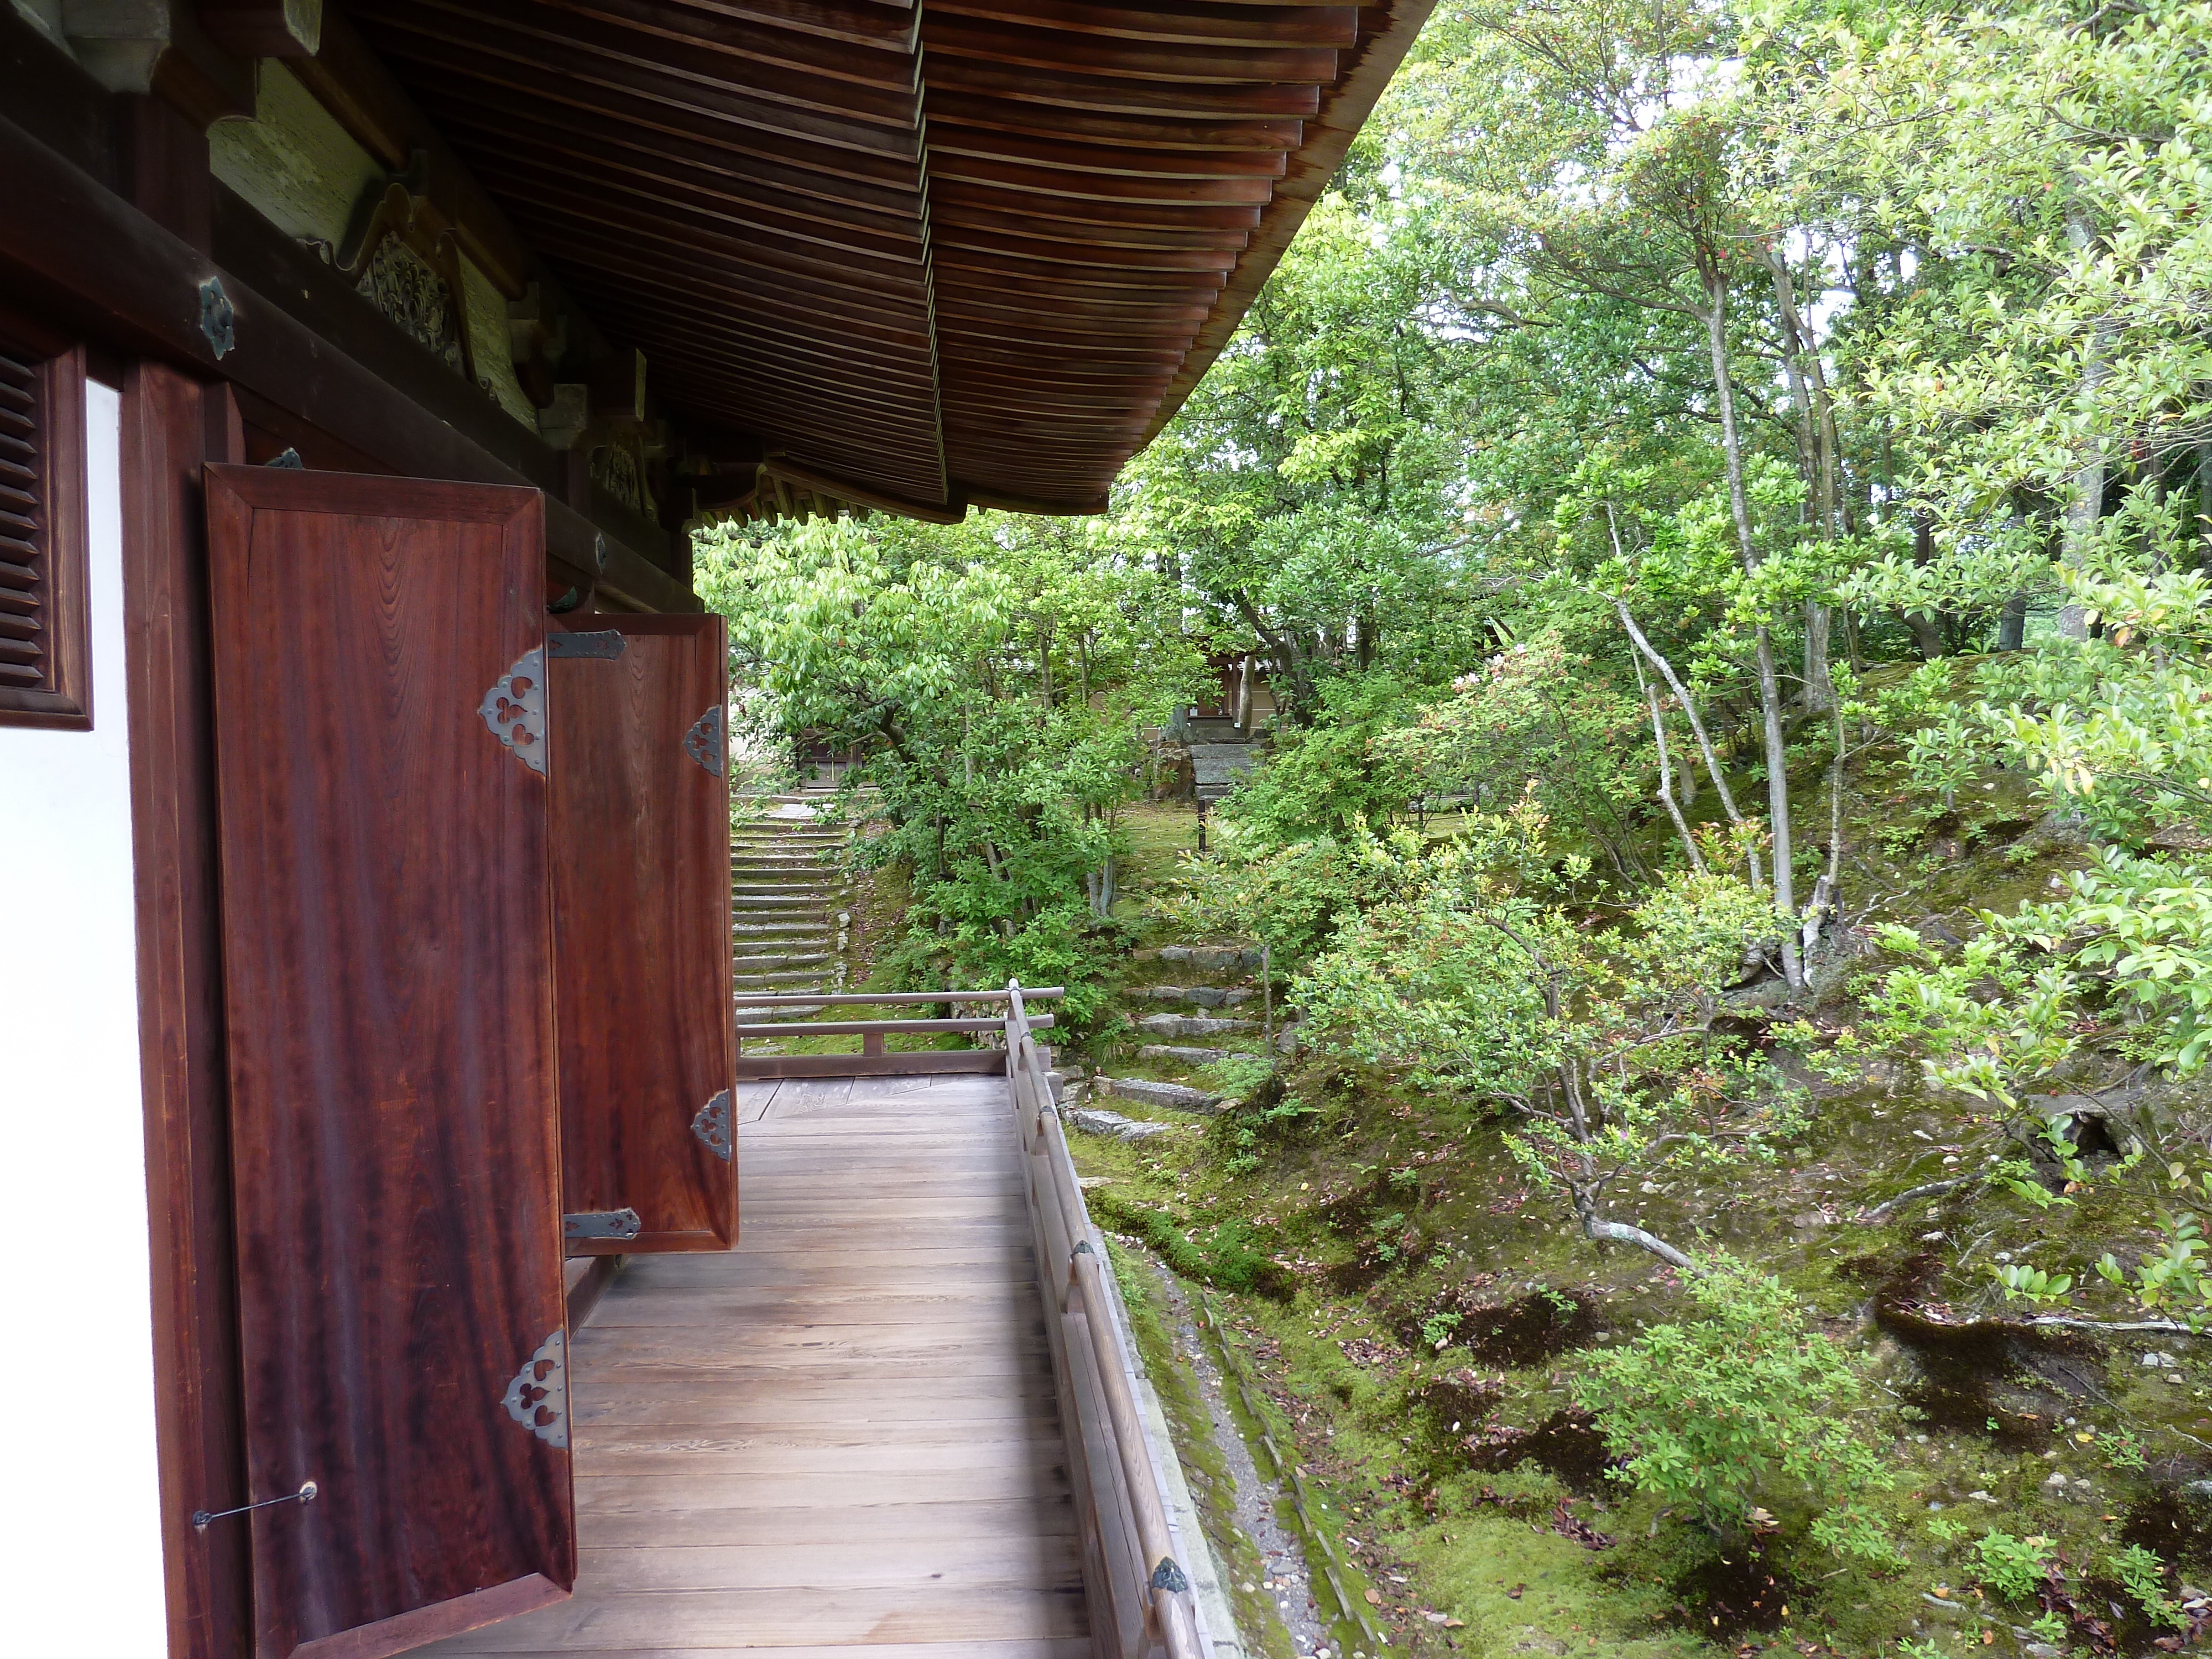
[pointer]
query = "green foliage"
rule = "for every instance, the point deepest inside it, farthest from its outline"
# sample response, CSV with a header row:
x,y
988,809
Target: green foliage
x,y
990,676
1743,1407
1324,779
2014,1568
2144,1575
1478,983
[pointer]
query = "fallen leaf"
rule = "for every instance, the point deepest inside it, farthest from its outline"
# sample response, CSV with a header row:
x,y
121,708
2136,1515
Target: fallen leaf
x,y
1374,1596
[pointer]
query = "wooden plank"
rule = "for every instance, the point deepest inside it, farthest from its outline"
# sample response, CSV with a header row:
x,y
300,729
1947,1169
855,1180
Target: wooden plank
x,y
171,427
387,965
777,1617
1064,1647
988,1060
865,1522
641,829
1019,1562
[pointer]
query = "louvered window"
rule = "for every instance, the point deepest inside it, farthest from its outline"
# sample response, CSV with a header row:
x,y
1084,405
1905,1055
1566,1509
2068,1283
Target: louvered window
x,y
46,668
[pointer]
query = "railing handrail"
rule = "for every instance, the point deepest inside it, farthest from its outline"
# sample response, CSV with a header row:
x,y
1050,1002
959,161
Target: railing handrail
x,y
1170,1607
855,998
776,1028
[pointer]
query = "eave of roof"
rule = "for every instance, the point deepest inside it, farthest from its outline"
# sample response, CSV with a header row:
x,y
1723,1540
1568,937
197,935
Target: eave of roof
x,y
975,252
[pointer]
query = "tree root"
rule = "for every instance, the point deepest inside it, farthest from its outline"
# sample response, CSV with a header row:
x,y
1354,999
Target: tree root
x,y
1620,1232
1913,1195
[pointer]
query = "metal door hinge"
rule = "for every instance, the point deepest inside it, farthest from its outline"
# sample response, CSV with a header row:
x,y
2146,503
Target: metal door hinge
x,y
539,1397
604,643
515,709
712,1125
703,742
602,1223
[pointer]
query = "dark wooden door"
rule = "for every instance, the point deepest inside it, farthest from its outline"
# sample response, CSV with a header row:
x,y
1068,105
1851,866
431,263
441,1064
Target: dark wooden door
x,y
387,959
641,929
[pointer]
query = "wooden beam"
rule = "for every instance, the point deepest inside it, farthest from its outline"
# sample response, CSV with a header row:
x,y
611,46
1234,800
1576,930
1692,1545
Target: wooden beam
x,y
73,249
172,426
580,44
345,77
1157,132
1323,23
1195,100
618,93
290,29
849,998
806,477
1051,51
948,139
990,1062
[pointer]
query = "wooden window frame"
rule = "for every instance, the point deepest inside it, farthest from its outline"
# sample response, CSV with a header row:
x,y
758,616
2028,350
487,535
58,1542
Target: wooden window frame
x,y
62,702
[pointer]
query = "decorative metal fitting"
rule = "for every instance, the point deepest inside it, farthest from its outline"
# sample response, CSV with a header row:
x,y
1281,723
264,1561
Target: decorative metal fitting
x,y
305,1495
568,602
712,1125
1082,1248
539,1397
218,318
605,645
515,709
290,461
703,742
602,1223
600,551
1169,1577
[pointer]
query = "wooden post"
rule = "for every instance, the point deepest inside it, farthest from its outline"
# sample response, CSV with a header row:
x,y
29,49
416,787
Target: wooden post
x,y
872,1042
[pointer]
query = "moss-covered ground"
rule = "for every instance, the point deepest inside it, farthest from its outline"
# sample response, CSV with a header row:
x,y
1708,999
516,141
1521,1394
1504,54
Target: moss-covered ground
x,y
1341,1220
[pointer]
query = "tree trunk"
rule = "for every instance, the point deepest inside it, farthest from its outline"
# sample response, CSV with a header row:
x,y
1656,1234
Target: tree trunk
x,y
1927,636
1770,684
2087,506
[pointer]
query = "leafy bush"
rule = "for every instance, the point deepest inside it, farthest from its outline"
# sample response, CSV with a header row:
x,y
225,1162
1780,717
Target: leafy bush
x,y
1322,779
2013,1567
1742,1405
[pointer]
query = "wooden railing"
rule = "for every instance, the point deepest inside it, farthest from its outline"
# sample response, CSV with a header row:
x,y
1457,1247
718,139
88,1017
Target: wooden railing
x,y
1141,1603
872,1060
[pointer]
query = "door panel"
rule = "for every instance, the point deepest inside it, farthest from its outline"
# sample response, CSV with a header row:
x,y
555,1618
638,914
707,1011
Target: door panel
x,y
641,930
388,991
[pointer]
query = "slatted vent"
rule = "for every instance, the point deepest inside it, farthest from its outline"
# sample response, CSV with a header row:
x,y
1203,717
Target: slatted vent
x,y
25,662
43,663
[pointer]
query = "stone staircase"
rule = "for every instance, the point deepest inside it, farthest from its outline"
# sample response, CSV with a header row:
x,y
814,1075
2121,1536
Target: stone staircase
x,y
789,920
1195,1004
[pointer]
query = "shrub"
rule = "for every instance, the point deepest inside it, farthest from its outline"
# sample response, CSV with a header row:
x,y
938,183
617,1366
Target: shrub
x,y
2011,1567
1742,1405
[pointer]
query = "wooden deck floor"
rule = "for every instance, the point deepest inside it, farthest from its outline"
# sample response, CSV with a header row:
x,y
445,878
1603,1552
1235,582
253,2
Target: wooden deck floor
x,y
843,1434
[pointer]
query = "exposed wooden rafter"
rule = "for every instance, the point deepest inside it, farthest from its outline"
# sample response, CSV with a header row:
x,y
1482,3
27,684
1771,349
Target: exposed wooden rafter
x,y
964,254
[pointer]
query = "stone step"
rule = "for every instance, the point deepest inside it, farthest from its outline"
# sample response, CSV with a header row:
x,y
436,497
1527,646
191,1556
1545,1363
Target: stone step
x,y
796,979
1175,1096
745,890
799,1011
1203,996
1213,957
749,927
744,964
1096,1121
781,903
1184,1056
1189,1025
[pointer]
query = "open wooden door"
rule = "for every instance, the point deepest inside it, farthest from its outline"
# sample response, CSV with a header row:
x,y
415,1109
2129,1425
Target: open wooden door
x,y
641,929
380,755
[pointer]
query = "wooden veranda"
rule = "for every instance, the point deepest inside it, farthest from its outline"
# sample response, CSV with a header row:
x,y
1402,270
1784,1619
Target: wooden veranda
x,y
899,1415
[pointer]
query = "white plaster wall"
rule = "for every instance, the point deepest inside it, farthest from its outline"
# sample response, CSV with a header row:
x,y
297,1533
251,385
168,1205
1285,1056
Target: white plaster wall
x,y
80,1542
